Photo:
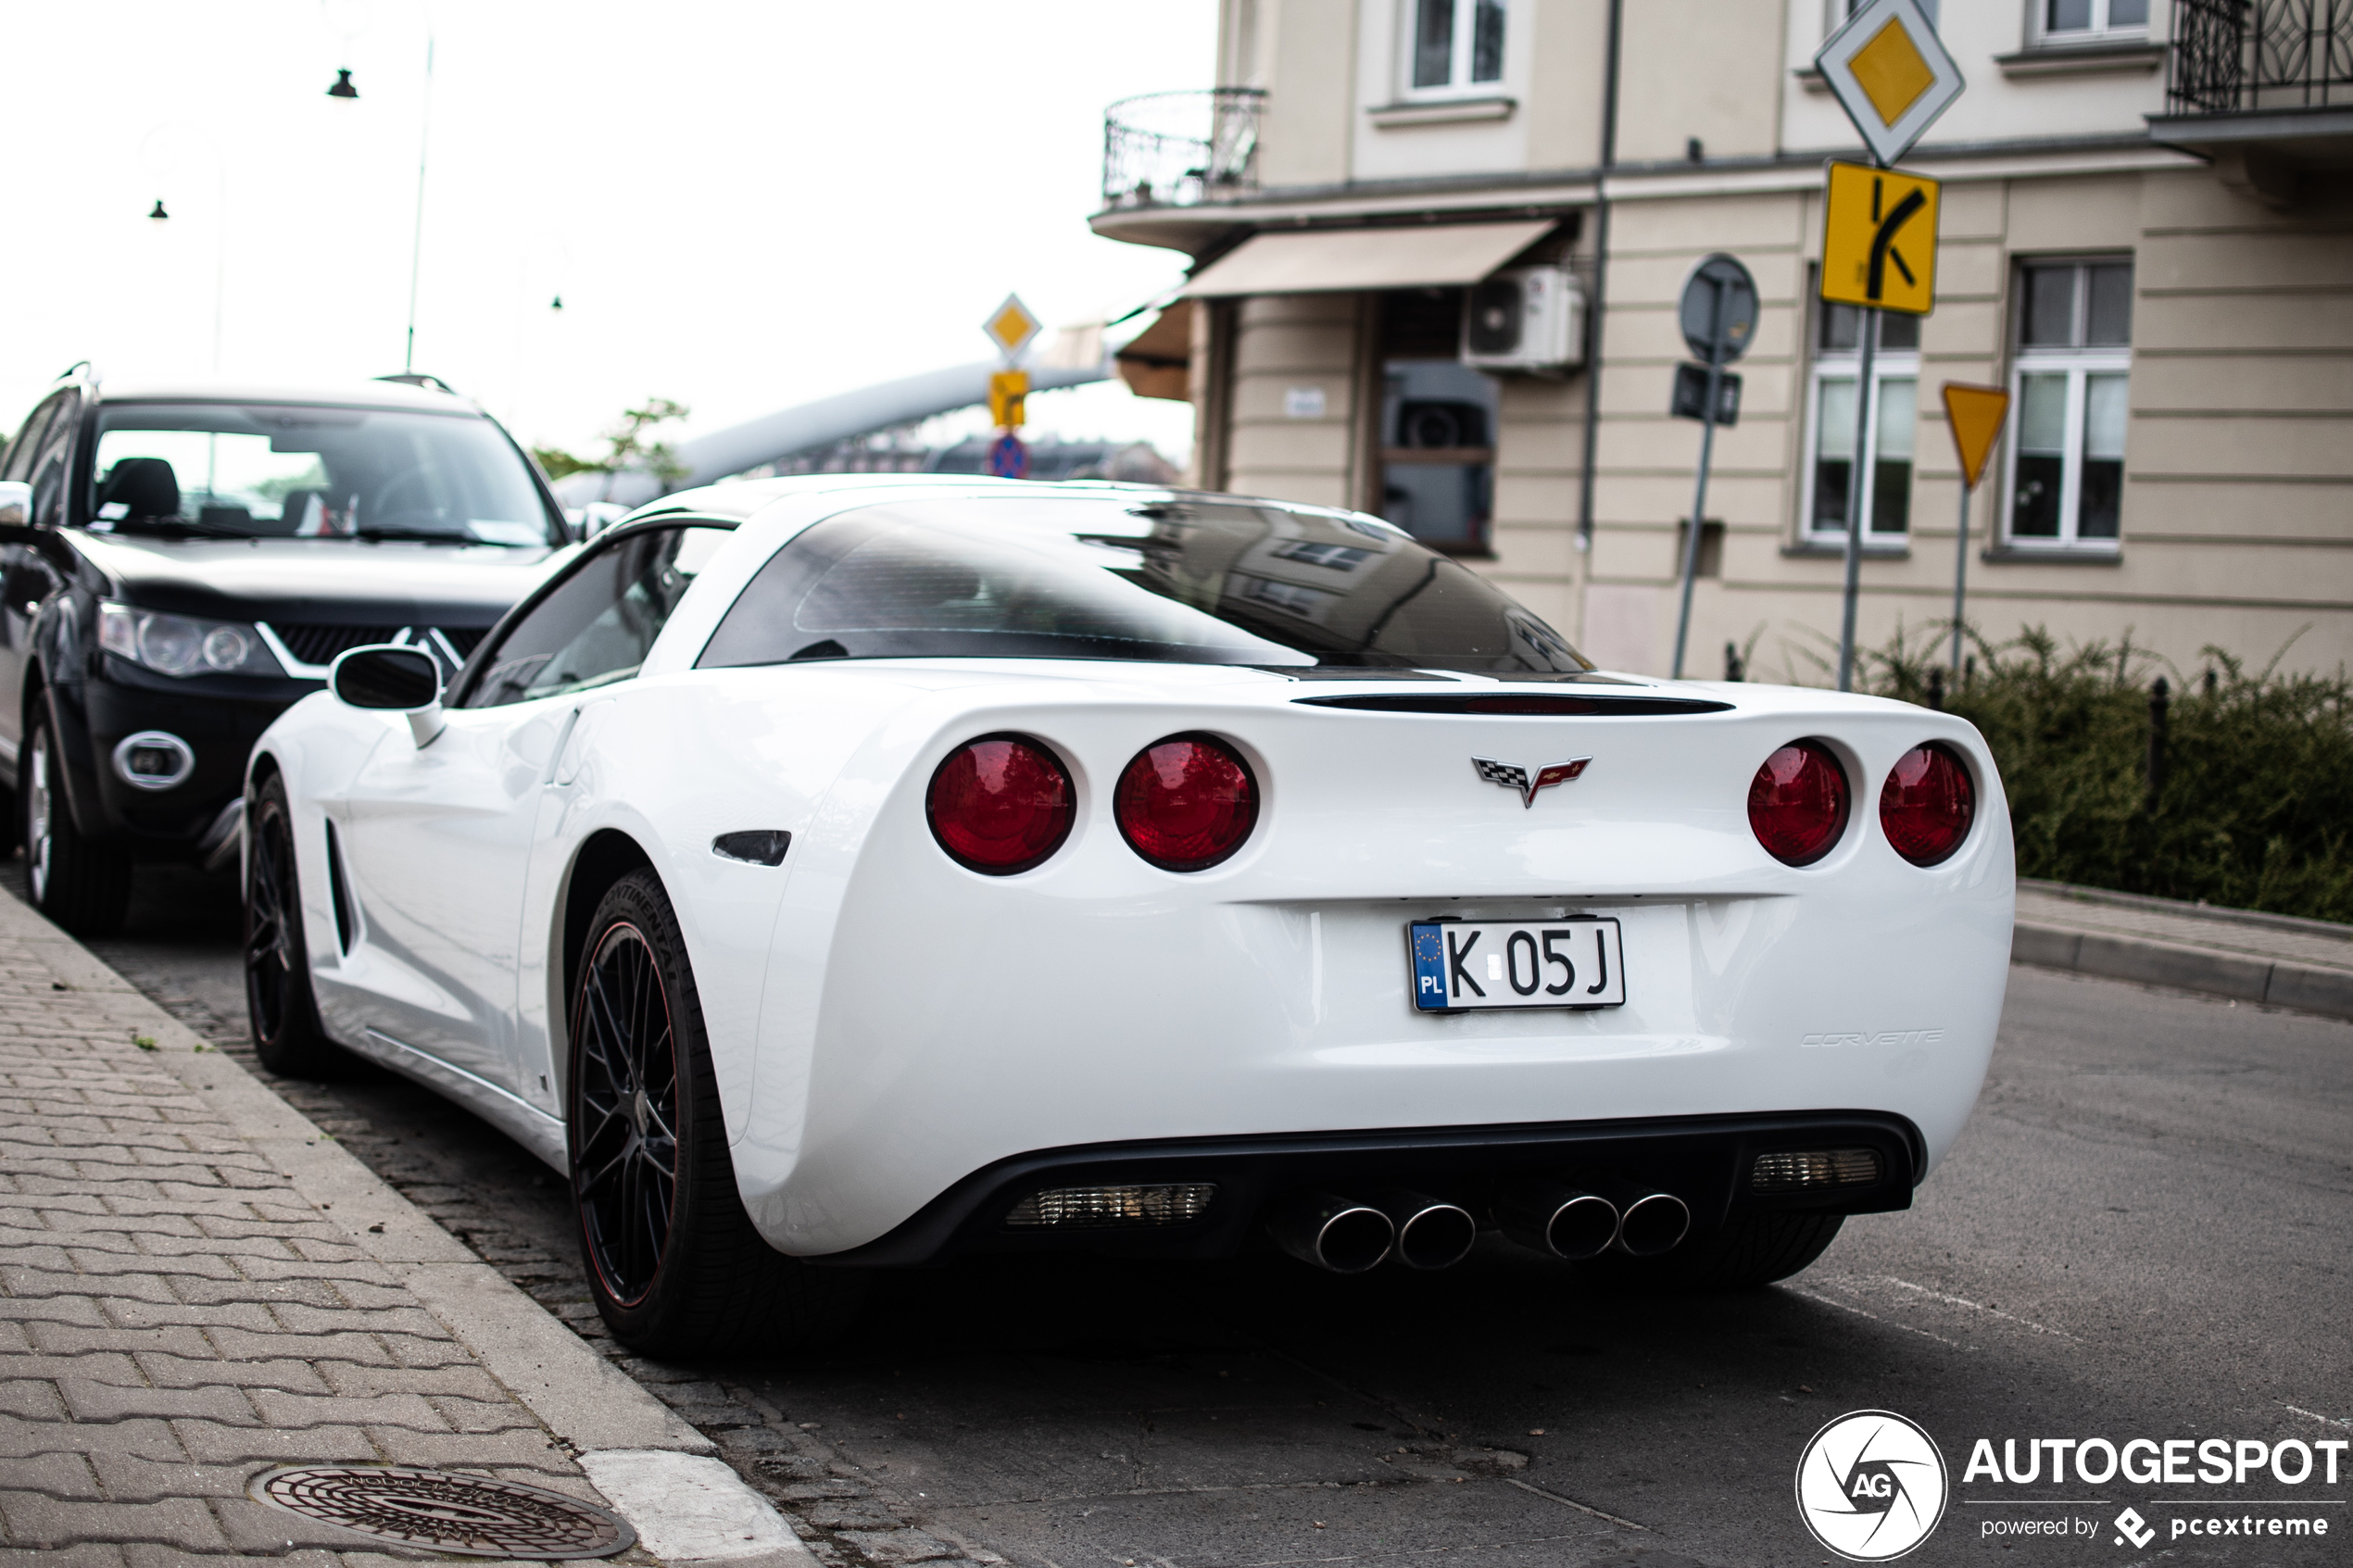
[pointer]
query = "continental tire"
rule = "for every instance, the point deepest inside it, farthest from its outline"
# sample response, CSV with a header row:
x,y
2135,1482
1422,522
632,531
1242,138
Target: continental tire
x,y
82,883
672,1259
1744,1255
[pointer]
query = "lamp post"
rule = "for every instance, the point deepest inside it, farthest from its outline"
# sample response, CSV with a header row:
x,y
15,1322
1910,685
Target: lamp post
x,y
343,90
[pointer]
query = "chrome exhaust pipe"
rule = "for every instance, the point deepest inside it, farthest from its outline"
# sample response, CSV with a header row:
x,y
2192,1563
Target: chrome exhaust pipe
x,y
1554,1217
1431,1232
1653,1223
1332,1232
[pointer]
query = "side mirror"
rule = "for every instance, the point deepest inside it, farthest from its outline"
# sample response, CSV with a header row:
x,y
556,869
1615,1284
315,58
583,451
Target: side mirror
x,y
388,679
16,505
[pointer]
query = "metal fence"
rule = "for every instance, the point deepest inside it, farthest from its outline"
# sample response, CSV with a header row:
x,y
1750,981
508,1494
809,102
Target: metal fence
x,y
2234,57
1173,149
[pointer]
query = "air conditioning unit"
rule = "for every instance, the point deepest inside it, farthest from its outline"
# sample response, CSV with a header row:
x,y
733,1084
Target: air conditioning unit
x,y
1526,318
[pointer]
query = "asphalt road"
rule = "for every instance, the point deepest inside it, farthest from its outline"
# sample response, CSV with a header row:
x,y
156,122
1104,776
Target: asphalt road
x,y
2144,1232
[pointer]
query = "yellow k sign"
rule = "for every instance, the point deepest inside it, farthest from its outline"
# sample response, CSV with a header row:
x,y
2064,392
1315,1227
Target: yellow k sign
x,y
1879,239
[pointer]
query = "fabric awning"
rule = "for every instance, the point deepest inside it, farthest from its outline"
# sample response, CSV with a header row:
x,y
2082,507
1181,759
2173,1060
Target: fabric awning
x,y
1332,261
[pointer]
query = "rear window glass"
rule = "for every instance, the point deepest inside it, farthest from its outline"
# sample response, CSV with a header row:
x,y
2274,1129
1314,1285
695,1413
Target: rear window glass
x,y
1181,581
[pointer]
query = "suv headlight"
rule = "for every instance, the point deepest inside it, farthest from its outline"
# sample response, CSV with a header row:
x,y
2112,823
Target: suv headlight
x,y
181,645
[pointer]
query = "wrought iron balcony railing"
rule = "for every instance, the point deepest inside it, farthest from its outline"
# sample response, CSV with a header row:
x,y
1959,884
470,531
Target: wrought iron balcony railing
x,y
2238,57
1173,149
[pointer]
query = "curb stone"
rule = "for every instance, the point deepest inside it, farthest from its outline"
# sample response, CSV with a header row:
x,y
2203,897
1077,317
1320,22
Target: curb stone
x,y
696,1508
2233,964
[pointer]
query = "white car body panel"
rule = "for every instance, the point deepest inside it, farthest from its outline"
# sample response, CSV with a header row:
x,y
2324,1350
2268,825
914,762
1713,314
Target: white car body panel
x,y
885,1022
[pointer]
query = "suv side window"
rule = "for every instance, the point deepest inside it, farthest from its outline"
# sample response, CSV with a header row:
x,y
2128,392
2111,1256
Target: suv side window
x,y
19,460
47,470
601,621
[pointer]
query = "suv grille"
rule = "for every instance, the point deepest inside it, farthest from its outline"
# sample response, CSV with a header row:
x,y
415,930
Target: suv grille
x,y
319,644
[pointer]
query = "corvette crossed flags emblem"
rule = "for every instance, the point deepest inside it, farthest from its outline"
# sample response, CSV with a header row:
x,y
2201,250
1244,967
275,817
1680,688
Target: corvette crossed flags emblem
x,y
1511,777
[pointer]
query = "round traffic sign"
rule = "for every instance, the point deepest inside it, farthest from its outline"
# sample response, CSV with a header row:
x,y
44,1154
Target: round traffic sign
x,y
1719,278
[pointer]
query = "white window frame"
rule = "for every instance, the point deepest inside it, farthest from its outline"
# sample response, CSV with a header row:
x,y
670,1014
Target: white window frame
x,y
2098,31
2076,364
1458,83
1843,365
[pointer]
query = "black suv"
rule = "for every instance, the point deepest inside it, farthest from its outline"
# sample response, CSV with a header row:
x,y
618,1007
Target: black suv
x,y
178,564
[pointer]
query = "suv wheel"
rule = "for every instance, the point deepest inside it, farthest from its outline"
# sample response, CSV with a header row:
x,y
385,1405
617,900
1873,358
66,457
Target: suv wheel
x,y
83,884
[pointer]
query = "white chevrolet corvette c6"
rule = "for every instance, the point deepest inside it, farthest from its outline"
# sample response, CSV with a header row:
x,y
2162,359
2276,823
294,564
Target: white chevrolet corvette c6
x,y
845,872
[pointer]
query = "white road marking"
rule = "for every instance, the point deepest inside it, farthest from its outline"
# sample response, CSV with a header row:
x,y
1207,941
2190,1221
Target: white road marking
x,y
2315,1415
1848,1307
1979,1307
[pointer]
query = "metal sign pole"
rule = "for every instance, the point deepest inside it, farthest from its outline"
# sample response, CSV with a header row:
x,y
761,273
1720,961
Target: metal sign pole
x,y
1857,488
1960,582
1706,452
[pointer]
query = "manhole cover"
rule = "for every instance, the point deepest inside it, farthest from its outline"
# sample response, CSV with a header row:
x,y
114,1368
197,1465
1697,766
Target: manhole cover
x,y
471,1514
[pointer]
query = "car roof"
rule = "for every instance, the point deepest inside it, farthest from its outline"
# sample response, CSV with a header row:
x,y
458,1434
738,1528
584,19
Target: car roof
x,y
741,498
390,396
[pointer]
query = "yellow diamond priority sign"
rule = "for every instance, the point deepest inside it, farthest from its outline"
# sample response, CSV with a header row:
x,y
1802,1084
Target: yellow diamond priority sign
x,y
1011,326
1890,73
1879,239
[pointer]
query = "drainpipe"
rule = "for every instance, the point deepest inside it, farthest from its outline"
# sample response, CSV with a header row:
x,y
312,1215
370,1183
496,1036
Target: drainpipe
x,y
1596,312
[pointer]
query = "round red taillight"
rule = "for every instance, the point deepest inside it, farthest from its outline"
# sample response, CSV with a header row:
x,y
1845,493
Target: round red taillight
x,y
1797,803
1927,804
1000,804
1186,803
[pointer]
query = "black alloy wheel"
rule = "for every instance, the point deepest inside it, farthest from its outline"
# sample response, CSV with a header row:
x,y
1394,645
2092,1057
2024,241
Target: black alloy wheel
x,y
675,1266
280,1005
625,1164
84,884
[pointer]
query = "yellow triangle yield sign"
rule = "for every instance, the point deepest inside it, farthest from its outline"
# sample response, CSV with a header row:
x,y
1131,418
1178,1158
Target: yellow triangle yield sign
x,y
1976,414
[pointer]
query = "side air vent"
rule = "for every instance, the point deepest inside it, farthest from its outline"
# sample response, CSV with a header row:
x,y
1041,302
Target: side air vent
x,y
1538,705
339,893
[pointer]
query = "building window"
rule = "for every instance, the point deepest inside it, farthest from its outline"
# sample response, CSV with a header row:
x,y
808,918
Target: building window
x,y
2075,21
1895,373
1456,45
2069,383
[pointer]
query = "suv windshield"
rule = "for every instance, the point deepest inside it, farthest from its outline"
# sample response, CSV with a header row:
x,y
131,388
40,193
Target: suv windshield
x,y
305,470
1174,580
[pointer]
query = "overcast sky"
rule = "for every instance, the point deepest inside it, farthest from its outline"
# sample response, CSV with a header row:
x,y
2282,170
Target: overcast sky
x,y
743,206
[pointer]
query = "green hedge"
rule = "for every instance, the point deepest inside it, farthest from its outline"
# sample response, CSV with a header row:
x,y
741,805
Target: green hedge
x,y
2258,800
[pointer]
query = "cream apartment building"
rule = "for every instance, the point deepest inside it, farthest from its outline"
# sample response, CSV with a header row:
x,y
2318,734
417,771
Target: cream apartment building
x,y
2146,237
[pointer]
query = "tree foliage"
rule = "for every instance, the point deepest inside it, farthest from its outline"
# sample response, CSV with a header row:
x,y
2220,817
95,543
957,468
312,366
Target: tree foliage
x,y
628,446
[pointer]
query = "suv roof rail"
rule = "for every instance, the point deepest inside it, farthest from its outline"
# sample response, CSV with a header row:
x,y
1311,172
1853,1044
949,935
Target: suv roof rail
x,y
418,378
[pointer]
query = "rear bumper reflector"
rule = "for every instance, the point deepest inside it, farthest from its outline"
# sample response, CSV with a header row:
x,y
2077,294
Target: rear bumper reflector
x,y
1817,1168
1097,1207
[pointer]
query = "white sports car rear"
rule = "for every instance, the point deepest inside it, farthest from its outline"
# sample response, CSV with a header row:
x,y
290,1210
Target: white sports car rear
x,y
845,872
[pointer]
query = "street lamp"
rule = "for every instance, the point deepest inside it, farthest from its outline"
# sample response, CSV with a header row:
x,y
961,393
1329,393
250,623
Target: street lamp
x,y
343,89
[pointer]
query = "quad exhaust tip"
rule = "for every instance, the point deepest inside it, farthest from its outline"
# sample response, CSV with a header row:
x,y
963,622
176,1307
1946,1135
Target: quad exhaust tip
x,y
1653,1224
1431,1232
1578,1224
1555,1217
1334,1233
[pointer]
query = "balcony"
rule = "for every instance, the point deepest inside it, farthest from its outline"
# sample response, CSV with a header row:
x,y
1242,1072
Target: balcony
x,y
2270,79
1180,149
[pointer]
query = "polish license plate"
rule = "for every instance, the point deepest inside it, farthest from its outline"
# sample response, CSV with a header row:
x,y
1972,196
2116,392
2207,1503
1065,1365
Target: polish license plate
x,y
1461,965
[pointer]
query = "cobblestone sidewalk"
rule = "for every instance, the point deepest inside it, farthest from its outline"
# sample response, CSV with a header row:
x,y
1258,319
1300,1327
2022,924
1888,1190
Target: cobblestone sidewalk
x,y
176,1315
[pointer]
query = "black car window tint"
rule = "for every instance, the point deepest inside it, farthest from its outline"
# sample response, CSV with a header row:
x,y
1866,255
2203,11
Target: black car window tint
x,y
597,625
1174,580
18,463
308,470
48,475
